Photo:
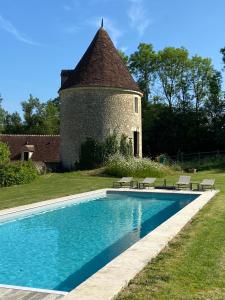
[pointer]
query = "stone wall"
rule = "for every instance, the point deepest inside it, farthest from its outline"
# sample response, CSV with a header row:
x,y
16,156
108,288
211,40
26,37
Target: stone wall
x,y
95,112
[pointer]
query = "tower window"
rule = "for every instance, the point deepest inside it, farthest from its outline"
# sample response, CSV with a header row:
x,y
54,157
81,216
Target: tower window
x,y
136,104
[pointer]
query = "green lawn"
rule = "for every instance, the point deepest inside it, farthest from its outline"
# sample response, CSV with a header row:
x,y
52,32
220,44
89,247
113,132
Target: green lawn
x,y
51,186
191,267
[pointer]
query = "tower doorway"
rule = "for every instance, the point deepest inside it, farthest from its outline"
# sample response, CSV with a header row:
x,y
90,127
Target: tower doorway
x,y
136,143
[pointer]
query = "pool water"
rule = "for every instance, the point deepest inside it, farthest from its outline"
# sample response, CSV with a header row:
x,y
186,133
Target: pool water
x,y
58,249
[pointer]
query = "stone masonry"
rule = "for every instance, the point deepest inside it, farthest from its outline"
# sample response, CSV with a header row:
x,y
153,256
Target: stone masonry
x,y
96,113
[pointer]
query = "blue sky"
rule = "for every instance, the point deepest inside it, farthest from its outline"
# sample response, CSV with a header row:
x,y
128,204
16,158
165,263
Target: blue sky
x,y
39,38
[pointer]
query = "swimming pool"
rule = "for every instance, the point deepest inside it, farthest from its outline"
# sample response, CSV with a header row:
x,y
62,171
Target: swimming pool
x,y
60,248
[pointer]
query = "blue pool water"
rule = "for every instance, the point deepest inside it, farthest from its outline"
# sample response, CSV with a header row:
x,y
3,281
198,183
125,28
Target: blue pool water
x,y
59,249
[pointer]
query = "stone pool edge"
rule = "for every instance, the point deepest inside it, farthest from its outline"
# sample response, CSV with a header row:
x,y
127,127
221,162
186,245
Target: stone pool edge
x,y
113,277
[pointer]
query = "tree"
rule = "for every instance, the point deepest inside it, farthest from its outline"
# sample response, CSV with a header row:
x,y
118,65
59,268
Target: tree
x,y
142,65
13,124
172,71
2,115
201,73
41,118
33,111
215,109
51,117
124,57
222,51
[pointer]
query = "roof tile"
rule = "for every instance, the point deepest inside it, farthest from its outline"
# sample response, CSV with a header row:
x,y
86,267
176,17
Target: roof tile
x,y
100,66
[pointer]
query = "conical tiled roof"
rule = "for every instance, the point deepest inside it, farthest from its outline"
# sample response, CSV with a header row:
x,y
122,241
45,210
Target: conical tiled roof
x,y
100,66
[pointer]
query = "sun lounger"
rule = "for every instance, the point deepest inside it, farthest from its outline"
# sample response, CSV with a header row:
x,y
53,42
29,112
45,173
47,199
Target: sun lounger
x,y
184,182
207,184
147,182
123,182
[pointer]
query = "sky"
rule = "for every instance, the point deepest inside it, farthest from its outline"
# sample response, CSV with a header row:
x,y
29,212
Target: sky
x,y
40,38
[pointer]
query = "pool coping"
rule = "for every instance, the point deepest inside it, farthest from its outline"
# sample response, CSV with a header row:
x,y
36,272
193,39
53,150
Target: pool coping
x,y
106,283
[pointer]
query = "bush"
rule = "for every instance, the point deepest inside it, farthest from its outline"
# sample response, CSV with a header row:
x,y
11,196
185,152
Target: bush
x,y
17,173
4,154
110,146
163,159
126,148
216,162
91,155
94,154
120,166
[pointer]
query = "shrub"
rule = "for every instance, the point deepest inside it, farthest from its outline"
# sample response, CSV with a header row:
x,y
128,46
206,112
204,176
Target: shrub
x,y
4,154
120,166
91,155
163,159
216,162
125,146
17,173
94,154
110,146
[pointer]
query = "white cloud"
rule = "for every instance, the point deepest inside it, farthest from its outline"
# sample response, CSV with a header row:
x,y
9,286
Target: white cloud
x,y
10,28
114,32
138,17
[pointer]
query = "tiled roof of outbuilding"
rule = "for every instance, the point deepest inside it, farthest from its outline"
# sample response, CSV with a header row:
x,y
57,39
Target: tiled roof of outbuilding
x,y
45,147
101,66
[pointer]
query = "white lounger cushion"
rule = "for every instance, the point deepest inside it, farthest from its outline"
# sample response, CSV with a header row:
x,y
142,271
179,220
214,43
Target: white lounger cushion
x,y
149,180
208,182
125,179
184,180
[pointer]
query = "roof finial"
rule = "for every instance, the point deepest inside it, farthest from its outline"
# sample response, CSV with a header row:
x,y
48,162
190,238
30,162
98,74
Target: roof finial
x,y
102,23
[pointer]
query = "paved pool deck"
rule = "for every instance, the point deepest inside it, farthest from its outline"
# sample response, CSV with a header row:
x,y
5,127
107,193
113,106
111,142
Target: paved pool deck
x,y
108,281
8,293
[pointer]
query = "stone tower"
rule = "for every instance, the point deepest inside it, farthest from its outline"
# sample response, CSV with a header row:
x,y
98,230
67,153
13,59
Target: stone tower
x,y
98,97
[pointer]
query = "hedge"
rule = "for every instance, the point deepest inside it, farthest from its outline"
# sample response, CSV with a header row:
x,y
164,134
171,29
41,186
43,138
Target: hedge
x,y
17,173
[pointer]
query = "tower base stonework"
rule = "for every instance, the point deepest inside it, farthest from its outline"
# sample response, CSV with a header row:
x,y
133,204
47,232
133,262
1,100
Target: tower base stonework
x,y
96,113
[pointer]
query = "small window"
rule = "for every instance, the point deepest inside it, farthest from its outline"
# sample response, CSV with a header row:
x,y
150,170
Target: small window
x,y
136,104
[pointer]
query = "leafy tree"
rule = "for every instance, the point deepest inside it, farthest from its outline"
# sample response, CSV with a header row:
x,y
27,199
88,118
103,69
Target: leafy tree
x,y
2,115
201,72
215,109
172,70
142,64
51,117
33,115
41,118
124,57
222,51
13,124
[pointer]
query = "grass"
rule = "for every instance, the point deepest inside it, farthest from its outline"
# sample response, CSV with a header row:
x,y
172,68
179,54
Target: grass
x,y
51,186
193,264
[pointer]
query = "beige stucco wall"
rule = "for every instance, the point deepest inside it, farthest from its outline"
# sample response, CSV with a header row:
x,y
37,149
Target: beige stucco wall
x,y
95,112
